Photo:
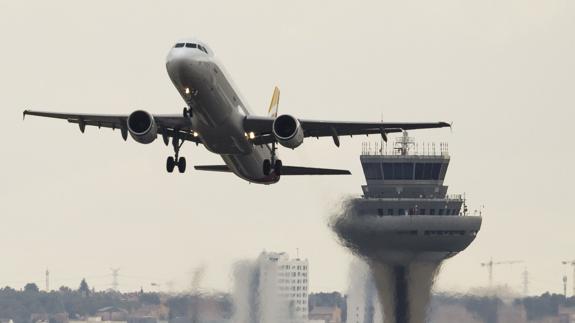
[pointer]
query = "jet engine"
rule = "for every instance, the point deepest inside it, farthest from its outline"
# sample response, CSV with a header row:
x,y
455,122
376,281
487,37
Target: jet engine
x,y
288,131
142,127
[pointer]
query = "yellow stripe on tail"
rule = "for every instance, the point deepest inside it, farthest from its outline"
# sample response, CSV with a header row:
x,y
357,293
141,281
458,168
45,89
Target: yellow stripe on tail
x,y
274,105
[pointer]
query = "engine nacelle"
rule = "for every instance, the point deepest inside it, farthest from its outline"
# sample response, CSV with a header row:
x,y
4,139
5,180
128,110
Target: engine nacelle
x,y
142,127
288,131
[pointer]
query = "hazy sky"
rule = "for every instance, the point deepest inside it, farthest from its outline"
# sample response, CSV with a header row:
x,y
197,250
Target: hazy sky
x,y
502,71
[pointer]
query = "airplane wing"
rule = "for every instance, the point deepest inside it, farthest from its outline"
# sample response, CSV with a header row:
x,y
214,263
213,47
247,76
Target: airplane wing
x,y
262,128
168,125
286,170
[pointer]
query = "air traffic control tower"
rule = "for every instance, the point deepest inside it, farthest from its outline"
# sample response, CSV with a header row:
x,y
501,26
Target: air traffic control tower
x,y
405,224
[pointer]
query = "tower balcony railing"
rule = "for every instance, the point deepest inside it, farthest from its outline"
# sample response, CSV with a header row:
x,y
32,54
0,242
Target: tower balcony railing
x,y
447,198
413,149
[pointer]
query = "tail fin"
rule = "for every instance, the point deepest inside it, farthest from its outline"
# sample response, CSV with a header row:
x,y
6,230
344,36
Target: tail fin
x,y
274,105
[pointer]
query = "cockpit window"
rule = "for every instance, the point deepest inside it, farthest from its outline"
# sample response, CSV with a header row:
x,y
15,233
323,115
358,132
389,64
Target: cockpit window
x,y
192,45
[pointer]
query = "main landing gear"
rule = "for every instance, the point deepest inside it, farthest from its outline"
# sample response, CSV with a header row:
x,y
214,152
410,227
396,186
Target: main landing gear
x,y
174,161
273,164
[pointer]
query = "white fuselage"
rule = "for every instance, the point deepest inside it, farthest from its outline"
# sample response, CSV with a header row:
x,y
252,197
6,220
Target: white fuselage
x,y
218,112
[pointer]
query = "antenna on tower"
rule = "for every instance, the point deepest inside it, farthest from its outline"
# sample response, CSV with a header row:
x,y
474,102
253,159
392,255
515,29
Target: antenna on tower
x,y
572,263
115,274
47,280
525,282
404,144
565,285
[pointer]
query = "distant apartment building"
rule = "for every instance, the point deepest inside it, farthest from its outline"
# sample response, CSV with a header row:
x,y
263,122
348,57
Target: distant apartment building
x,y
283,287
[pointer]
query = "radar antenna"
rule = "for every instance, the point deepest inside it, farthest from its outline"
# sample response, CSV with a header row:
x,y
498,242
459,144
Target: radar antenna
x,y
404,144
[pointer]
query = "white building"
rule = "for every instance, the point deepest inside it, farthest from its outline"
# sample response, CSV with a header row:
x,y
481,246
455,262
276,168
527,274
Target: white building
x,y
283,287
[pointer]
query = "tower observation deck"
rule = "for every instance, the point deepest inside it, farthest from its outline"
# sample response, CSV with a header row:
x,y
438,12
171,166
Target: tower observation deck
x,y
405,223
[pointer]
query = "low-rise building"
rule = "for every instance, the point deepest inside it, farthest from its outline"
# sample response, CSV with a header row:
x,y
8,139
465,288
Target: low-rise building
x,y
327,314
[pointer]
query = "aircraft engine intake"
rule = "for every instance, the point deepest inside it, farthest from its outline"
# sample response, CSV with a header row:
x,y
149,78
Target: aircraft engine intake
x,y
142,127
288,131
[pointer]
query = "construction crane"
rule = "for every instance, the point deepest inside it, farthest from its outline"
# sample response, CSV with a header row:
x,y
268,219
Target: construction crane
x,y
572,263
492,263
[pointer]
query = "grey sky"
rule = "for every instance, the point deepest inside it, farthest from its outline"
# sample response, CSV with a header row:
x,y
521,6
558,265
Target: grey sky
x,y
503,71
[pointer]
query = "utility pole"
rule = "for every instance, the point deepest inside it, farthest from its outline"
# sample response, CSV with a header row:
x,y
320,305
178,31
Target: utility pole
x,y
115,273
491,263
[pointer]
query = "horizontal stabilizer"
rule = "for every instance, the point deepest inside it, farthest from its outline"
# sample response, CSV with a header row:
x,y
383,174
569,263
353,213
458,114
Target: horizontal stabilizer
x,y
286,170
295,170
213,168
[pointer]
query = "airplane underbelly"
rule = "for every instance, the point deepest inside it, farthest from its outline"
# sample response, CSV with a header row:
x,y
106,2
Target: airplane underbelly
x,y
225,145
213,98
250,166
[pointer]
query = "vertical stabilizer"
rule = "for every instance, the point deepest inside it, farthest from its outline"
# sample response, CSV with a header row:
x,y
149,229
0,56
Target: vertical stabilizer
x,y
273,110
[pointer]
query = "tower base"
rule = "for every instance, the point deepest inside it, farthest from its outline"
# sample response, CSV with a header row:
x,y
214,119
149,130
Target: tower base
x,y
404,290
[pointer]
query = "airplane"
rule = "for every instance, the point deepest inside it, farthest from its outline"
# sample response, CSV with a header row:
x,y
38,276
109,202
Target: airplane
x,y
218,117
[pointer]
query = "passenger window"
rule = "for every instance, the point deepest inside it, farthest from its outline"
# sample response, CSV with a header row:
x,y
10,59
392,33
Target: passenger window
x,y
431,211
389,211
178,45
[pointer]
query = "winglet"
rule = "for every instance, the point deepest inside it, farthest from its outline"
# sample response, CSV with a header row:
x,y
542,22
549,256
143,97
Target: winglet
x,y
24,114
274,104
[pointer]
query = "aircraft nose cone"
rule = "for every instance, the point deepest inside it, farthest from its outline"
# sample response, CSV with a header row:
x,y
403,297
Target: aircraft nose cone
x,y
177,59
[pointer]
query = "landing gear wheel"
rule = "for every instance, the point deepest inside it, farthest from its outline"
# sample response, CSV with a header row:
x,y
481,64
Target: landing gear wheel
x,y
182,164
187,112
278,167
170,164
267,167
